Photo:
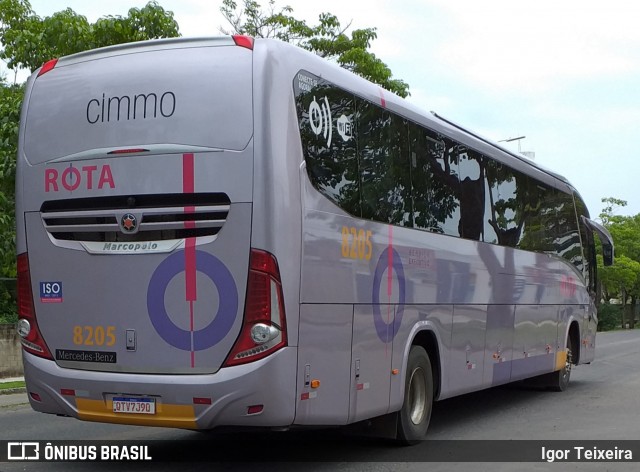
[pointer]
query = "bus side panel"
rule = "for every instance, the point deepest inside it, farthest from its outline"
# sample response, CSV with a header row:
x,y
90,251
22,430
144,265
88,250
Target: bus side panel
x,y
371,363
535,340
324,355
466,366
498,350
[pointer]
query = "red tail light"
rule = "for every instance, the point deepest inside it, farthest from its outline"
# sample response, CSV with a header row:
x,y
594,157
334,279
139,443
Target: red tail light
x,y
243,41
264,327
47,66
31,338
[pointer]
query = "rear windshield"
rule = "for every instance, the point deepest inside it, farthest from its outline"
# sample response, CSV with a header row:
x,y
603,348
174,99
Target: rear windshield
x,y
199,96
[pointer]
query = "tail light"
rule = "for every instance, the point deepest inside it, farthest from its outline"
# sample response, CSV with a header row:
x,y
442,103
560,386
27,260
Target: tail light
x,y
30,336
264,327
47,66
243,41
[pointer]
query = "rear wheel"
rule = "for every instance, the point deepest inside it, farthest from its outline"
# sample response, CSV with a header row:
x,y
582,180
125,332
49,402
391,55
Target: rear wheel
x,y
413,418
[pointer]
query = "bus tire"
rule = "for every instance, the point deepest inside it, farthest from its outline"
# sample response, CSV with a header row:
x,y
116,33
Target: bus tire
x,y
559,380
413,418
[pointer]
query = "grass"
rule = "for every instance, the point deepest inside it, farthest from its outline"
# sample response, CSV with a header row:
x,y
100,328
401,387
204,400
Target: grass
x,y
7,385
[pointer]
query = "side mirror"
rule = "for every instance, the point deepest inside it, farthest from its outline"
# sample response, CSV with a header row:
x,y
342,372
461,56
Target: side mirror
x,y
605,237
607,254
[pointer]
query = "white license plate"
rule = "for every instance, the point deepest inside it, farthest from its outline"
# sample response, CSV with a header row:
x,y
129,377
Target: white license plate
x,y
144,406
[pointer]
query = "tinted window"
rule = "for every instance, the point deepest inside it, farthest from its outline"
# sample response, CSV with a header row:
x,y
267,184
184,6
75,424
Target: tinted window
x,y
384,165
472,194
588,247
567,241
376,165
506,202
434,180
326,116
538,210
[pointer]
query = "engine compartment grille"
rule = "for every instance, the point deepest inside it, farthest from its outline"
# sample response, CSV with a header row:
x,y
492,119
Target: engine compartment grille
x,y
152,217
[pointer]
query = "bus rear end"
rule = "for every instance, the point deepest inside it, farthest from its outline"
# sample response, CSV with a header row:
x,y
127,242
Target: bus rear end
x,y
141,300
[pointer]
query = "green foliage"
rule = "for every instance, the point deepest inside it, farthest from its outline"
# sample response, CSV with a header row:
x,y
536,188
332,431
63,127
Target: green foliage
x,y
611,205
10,102
622,280
30,40
9,385
328,38
609,317
623,277
8,311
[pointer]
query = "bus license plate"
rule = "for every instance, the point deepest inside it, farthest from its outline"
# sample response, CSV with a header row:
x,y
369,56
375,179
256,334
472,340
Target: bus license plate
x,y
144,406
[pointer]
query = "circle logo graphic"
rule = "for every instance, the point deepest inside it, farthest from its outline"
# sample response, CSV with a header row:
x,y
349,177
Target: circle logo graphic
x,y
387,331
221,324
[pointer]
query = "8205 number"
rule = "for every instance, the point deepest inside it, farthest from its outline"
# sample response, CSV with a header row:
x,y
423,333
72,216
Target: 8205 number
x,y
356,243
94,335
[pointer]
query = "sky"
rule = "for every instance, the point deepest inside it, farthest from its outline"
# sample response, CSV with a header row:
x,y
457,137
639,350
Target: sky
x,y
564,74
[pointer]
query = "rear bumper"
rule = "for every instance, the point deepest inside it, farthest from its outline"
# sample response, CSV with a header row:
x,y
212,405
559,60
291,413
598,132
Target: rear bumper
x,y
87,395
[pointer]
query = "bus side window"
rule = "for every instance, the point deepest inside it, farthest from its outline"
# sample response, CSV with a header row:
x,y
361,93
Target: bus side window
x,y
472,193
329,144
588,248
508,197
435,185
567,242
539,214
384,165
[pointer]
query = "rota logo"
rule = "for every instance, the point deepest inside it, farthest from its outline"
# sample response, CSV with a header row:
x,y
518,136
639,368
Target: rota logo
x,y
73,178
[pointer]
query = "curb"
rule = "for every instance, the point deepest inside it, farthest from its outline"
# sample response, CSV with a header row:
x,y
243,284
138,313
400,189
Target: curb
x,y
11,391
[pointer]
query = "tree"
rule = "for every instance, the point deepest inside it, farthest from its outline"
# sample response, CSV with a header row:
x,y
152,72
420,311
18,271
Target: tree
x,y
10,100
623,278
328,38
28,41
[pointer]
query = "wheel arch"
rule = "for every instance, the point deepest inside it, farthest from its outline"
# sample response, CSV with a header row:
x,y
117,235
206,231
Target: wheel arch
x,y
573,335
428,340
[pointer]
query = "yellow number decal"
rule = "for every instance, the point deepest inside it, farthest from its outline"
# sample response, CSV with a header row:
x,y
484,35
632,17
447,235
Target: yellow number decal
x,y
99,335
94,335
77,335
111,335
369,246
361,244
345,241
88,340
356,243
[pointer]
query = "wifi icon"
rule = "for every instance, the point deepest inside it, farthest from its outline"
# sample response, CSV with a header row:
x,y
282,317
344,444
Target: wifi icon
x,y
320,119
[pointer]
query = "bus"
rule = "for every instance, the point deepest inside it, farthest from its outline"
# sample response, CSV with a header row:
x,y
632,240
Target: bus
x,y
235,232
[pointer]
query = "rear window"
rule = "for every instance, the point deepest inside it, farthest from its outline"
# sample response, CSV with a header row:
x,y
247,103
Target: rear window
x,y
191,96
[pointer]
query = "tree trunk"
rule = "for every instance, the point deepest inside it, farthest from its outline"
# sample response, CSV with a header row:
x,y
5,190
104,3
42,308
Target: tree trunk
x,y
623,294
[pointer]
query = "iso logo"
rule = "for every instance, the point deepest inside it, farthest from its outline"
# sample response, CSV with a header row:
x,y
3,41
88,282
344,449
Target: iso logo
x,y
23,451
51,292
